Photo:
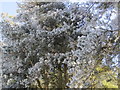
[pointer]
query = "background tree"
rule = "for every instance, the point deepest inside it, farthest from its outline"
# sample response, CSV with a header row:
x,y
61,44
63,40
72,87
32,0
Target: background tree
x,y
61,45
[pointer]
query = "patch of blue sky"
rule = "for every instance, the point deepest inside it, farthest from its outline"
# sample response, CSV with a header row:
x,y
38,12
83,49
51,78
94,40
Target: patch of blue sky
x,y
8,7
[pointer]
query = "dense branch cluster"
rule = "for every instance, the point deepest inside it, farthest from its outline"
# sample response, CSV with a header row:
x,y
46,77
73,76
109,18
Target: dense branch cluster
x,y
58,45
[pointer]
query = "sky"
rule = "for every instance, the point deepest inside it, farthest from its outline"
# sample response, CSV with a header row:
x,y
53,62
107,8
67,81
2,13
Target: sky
x,y
8,7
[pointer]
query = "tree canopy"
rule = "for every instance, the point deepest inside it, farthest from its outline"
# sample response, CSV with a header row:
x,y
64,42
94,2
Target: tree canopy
x,y
61,45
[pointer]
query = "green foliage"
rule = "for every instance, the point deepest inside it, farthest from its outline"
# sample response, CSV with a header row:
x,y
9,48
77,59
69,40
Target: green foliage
x,y
58,78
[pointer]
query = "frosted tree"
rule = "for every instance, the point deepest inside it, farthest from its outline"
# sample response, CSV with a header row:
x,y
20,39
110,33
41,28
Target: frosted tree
x,y
59,45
